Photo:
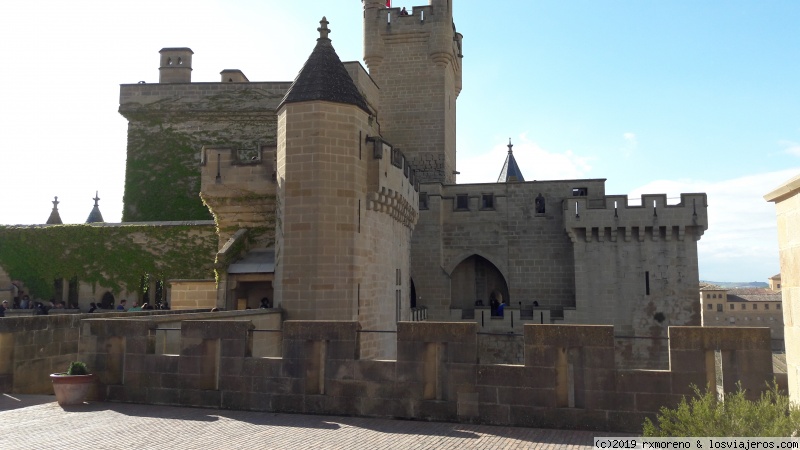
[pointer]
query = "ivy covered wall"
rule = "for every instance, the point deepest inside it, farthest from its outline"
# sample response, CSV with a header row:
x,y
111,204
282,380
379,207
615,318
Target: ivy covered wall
x,y
169,124
112,257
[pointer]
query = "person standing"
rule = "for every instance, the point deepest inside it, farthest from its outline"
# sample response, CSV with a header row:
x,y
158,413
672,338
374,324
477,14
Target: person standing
x,y
3,308
121,306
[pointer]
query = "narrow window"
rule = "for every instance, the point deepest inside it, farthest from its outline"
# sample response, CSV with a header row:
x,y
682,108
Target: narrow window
x,y
777,306
423,200
397,277
719,307
647,283
755,306
710,306
766,305
580,192
180,61
743,306
169,61
359,215
487,201
462,202
730,306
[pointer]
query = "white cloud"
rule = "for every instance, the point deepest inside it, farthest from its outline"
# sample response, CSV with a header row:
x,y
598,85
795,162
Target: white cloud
x,y
630,145
790,147
741,242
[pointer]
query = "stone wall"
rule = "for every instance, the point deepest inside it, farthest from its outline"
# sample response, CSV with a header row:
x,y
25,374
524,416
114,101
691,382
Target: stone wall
x,y
787,206
193,294
568,378
104,258
168,125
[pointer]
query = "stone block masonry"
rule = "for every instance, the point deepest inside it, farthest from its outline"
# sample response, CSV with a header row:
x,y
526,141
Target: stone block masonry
x,y
568,378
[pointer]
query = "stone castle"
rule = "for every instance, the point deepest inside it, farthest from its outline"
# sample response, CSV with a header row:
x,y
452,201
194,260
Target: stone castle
x,y
335,197
334,200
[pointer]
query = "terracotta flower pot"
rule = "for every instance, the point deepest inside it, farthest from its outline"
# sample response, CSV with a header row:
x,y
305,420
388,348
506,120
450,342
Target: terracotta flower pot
x,y
71,389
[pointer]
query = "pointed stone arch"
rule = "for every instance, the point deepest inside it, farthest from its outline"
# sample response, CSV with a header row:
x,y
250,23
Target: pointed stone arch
x,y
474,280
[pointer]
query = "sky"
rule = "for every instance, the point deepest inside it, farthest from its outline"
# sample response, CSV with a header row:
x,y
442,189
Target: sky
x,y
668,97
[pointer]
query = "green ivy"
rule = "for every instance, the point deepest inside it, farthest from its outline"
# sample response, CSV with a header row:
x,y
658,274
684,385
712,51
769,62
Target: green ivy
x,y
162,178
112,257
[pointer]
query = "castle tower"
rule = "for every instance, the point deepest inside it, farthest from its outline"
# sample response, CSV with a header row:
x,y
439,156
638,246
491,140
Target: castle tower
x,y
176,65
319,184
346,204
416,62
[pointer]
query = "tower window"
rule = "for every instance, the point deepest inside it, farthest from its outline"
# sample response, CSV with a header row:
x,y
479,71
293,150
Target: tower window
x,y
580,192
169,61
180,61
462,202
423,200
487,201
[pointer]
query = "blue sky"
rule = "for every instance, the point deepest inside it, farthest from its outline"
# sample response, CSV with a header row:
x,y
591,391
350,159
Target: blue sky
x,y
656,97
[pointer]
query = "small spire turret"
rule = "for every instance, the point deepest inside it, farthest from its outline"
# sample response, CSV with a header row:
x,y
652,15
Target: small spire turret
x,y
510,171
95,216
55,217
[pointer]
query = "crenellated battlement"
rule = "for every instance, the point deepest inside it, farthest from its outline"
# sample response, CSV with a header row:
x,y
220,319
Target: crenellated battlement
x,y
392,186
654,219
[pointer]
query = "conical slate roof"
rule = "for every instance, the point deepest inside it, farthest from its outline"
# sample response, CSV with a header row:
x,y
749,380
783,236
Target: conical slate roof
x,y
55,217
323,77
95,216
510,172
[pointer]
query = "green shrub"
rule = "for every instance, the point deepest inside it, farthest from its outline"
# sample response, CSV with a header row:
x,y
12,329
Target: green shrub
x,y
77,368
771,415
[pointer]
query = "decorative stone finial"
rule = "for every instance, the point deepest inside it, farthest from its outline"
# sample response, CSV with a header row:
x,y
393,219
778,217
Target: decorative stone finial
x,y
96,198
55,218
509,145
323,29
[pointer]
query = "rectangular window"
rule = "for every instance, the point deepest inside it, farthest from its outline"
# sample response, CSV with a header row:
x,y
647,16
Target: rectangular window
x,y
743,306
647,283
487,201
462,202
580,192
719,307
423,200
777,306
755,306
766,305
710,306
730,306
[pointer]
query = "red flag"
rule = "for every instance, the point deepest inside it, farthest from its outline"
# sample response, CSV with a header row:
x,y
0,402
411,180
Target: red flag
x,y
388,3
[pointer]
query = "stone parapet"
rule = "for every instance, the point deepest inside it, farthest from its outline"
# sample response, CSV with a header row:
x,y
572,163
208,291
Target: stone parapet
x,y
567,380
653,220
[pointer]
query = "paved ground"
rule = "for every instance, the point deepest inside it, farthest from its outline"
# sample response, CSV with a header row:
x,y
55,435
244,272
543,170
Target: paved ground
x,y
37,422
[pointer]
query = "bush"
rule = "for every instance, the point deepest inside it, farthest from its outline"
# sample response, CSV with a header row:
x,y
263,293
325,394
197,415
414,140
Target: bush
x,y
77,368
771,415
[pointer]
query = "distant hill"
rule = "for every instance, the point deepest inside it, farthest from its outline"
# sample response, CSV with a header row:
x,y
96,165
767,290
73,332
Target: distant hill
x,y
732,285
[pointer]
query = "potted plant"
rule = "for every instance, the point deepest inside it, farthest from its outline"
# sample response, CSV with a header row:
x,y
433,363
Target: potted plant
x,y
72,386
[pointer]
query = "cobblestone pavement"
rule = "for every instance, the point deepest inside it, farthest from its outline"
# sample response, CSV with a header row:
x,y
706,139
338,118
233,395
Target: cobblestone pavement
x,y
37,422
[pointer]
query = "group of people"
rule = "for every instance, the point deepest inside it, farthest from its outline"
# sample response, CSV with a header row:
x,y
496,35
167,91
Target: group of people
x,y
23,301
